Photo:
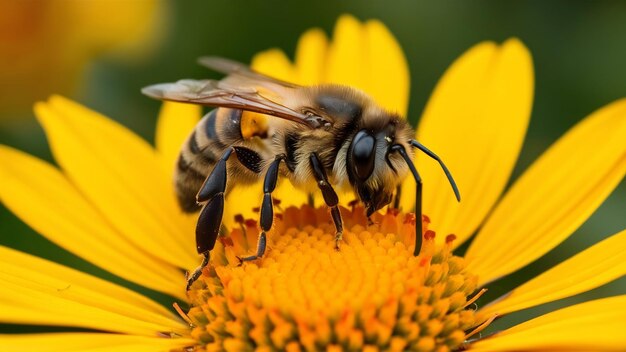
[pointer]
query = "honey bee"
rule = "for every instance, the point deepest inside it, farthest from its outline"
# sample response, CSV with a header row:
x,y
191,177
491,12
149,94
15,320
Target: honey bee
x,y
317,137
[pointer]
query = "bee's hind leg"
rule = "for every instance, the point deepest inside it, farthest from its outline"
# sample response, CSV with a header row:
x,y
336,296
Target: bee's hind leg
x,y
330,197
260,249
210,219
267,208
196,273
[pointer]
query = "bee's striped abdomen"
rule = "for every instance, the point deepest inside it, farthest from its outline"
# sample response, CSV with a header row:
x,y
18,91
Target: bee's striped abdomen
x,y
218,130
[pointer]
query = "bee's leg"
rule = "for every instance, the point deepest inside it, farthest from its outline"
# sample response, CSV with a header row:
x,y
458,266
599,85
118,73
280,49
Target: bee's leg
x,y
418,200
418,197
196,273
267,208
210,219
418,191
330,196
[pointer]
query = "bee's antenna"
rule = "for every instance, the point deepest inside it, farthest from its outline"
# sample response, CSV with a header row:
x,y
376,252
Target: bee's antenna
x,y
428,152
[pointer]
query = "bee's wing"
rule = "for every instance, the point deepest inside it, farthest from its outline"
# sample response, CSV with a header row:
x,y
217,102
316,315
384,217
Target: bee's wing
x,y
241,76
234,68
234,91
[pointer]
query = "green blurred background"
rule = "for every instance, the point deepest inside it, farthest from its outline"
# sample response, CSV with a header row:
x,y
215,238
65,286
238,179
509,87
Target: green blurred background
x,y
579,51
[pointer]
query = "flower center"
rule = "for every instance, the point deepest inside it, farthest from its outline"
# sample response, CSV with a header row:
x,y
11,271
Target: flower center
x,y
305,295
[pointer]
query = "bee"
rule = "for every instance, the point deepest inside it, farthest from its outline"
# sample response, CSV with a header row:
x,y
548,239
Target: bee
x,y
319,137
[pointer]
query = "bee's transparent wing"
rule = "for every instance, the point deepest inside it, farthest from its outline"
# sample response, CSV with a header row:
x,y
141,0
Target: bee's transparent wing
x,y
234,68
236,94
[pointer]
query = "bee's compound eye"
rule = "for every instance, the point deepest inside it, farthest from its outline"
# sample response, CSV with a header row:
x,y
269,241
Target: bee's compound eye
x,y
362,154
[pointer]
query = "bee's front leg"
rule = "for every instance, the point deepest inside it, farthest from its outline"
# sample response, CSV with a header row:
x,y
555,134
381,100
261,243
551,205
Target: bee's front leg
x,y
330,196
418,197
418,190
210,219
267,208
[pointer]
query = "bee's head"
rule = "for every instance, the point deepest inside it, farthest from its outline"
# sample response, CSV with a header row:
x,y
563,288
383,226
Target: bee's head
x,y
372,168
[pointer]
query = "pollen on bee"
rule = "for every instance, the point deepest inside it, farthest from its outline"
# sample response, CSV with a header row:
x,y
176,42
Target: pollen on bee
x,y
253,125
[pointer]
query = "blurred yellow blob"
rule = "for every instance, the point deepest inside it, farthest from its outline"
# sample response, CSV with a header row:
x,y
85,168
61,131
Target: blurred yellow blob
x,y
45,45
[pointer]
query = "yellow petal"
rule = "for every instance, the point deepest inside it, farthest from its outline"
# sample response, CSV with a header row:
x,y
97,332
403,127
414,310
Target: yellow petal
x,y
175,123
89,342
289,195
475,121
241,201
555,196
591,326
365,56
346,58
311,54
42,197
387,69
121,175
596,266
274,63
37,291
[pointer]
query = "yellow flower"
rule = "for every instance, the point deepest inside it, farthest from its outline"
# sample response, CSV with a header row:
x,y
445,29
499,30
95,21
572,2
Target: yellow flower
x,y
112,203
46,45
